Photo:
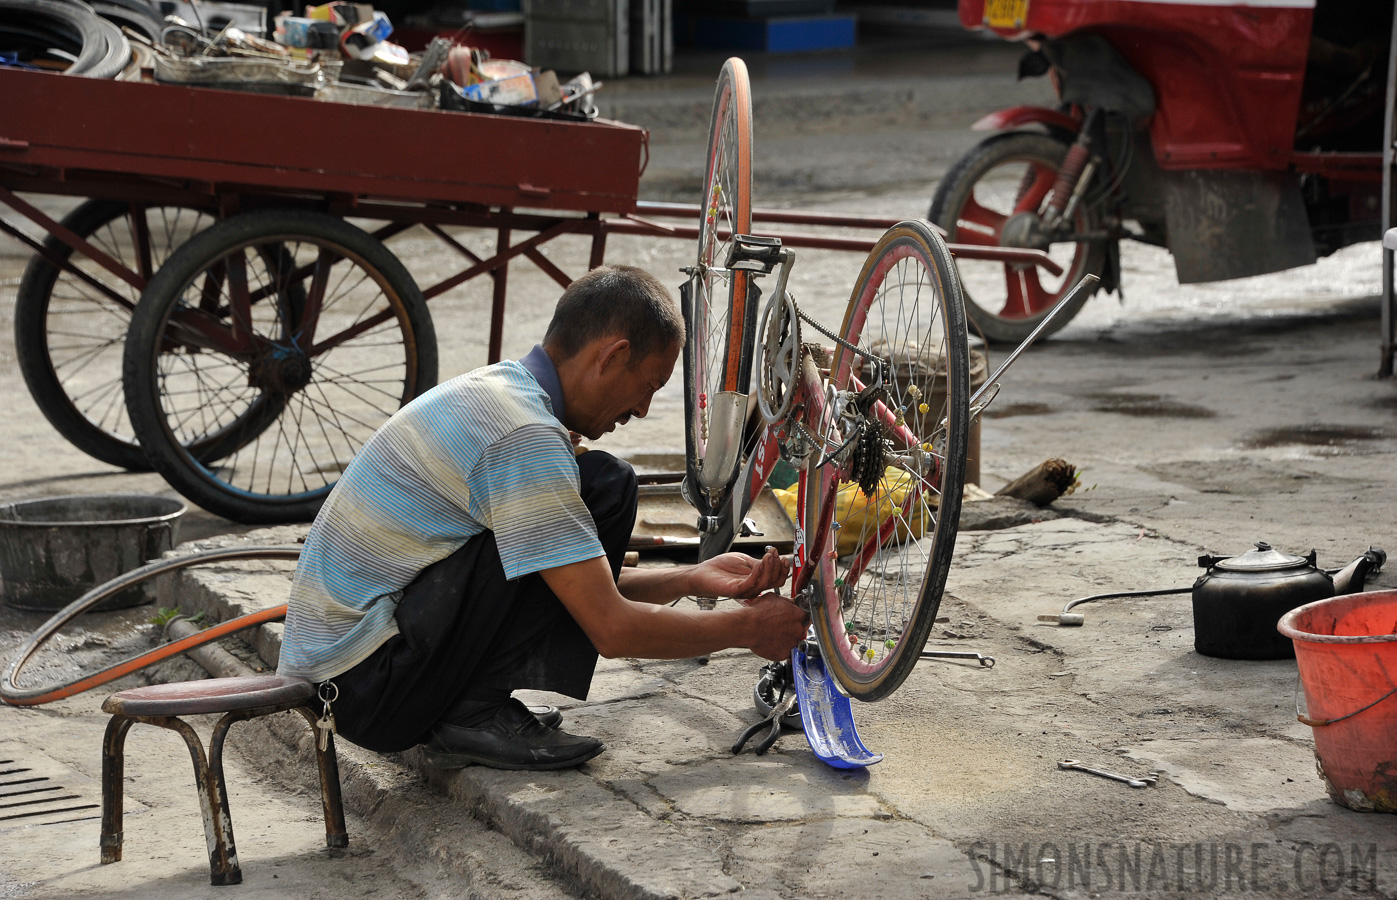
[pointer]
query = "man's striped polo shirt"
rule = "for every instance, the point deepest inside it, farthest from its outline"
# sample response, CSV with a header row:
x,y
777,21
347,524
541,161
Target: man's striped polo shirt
x,y
483,451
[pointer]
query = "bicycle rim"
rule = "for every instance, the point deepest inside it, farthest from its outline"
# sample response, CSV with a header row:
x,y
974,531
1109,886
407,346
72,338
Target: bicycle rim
x,y
719,358
880,564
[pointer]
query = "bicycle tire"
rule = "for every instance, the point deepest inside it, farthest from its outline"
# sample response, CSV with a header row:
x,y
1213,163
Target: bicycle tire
x,y
77,384
184,385
874,607
1004,301
718,355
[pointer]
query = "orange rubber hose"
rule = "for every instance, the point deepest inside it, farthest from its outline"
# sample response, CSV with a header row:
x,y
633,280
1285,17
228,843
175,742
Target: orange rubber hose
x,y
14,695
150,657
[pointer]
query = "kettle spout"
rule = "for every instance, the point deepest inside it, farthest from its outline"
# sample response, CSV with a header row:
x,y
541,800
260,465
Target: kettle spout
x,y
1350,579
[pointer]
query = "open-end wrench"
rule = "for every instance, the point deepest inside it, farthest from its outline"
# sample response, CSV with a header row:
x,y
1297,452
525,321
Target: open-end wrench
x,y
1147,781
986,662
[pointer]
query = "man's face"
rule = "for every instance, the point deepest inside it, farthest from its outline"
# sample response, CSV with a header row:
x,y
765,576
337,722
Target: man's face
x,y
626,388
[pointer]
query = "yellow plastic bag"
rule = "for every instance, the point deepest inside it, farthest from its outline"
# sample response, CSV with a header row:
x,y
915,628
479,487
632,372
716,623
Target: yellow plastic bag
x,y
855,512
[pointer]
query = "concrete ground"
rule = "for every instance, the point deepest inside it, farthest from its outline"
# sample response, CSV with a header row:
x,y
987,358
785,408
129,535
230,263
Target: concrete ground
x,y
1204,418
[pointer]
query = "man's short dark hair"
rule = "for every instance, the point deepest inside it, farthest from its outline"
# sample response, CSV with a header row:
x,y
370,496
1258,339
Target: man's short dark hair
x,y
623,301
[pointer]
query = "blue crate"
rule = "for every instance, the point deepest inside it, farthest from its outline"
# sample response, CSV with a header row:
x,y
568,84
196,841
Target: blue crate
x,y
773,34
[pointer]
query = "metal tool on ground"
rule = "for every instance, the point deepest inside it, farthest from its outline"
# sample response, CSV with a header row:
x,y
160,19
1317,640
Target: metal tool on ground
x,y
778,680
1146,781
770,688
986,662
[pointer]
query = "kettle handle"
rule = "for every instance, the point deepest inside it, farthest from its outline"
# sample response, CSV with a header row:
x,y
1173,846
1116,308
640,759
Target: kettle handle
x,y
1207,561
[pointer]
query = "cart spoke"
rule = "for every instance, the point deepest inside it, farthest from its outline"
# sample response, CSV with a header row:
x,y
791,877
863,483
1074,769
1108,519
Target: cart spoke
x,y
978,224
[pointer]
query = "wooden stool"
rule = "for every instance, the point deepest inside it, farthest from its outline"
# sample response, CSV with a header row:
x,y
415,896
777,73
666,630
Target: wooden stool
x,y
238,699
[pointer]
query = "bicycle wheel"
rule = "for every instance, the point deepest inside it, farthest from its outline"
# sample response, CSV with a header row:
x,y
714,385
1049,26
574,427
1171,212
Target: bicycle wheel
x,y
995,195
286,362
718,358
69,333
881,551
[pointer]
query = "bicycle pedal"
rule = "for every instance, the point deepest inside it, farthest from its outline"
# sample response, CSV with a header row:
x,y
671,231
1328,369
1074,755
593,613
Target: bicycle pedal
x,y
749,529
752,253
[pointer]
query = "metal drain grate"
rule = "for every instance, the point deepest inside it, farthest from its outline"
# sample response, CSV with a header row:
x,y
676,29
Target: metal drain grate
x,y
28,798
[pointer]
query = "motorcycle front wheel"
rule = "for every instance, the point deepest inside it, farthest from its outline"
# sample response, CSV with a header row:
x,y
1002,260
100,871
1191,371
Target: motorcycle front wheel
x,y
995,196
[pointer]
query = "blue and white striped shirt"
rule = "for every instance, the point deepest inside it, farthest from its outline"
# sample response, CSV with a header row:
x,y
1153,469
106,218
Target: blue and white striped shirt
x,y
481,452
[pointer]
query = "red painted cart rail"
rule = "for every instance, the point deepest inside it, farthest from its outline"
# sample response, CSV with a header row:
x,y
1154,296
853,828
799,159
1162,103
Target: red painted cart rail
x,y
226,151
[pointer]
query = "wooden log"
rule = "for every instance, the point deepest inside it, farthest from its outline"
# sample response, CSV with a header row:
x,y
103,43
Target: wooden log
x,y
1043,484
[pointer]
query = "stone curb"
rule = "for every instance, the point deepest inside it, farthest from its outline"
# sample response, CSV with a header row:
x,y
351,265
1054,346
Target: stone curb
x,y
599,841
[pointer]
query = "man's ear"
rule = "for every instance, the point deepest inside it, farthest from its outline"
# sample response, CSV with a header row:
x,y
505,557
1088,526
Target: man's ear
x,y
617,352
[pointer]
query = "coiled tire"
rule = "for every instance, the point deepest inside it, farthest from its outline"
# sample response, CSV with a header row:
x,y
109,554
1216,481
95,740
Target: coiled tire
x,y
140,21
101,49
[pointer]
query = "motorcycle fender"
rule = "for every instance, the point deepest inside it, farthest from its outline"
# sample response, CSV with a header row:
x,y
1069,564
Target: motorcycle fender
x,y
1019,116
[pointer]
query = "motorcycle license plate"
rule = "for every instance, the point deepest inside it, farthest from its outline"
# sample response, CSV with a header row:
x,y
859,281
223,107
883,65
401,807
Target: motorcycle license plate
x,y
1006,13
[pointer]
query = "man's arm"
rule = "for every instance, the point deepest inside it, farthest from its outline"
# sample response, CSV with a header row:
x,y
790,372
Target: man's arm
x,y
735,575
769,626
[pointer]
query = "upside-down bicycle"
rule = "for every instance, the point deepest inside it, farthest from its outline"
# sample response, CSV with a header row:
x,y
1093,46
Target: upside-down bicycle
x,y
881,403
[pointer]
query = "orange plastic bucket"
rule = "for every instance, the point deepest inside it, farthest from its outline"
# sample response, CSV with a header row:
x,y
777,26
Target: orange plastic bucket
x,y
1346,648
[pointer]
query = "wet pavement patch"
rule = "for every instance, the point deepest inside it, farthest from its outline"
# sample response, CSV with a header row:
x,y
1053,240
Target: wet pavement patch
x,y
1336,439
1018,409
1147,406
1230,476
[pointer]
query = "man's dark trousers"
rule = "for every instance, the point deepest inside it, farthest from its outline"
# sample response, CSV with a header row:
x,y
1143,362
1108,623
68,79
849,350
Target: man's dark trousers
x,y
467,634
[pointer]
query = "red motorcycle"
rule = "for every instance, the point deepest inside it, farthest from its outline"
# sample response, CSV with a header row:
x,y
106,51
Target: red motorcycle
x,y
1243,136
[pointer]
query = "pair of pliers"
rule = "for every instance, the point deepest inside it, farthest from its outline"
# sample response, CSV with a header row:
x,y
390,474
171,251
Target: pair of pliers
x,y
785,702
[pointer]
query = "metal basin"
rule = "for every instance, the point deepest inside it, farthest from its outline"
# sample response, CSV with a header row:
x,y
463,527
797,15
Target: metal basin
x,y
53,551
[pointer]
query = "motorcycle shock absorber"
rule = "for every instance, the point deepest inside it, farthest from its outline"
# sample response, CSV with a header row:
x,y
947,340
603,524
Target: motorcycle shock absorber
x,y
1072,177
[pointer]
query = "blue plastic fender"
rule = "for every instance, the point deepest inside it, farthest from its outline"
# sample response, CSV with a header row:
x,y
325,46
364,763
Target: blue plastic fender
x,y
828,716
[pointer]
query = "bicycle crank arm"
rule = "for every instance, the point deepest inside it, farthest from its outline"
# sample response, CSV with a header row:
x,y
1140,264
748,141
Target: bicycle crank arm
x,y
1087,283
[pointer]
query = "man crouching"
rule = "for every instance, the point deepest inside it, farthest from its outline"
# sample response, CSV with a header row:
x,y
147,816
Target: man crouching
x,y
467,552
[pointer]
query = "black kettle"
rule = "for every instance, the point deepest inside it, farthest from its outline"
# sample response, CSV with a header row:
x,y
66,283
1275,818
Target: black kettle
x,y
1239,600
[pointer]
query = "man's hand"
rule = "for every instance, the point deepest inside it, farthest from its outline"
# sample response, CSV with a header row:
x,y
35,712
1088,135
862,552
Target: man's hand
x,y
739,576
779,625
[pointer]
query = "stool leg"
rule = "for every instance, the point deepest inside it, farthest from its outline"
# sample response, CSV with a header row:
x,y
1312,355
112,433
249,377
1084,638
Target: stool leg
x,y
213,801
328,763
113,786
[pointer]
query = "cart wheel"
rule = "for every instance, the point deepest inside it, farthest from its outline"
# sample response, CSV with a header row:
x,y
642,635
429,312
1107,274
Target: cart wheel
x,y
994,195
279,341
69,333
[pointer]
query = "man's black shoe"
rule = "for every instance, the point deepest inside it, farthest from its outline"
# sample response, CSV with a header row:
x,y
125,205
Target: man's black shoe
x,y
513,739
548,716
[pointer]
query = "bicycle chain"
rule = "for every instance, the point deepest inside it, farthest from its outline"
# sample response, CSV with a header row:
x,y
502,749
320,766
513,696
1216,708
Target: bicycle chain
x,y
834,337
